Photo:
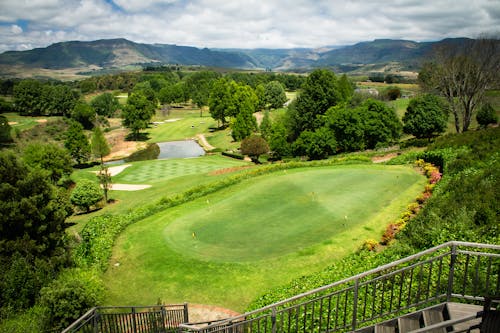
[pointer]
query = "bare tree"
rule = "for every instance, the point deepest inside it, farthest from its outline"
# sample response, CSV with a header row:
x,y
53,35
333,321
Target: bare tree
x,y
462,72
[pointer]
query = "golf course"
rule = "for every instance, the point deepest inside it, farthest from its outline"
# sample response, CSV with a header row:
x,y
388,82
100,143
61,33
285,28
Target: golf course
x,y
228,247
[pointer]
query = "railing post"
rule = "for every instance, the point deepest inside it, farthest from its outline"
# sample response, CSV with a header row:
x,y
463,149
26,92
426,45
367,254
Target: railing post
x,y
355,305
134,324
273,320
186,313
452,272
95,321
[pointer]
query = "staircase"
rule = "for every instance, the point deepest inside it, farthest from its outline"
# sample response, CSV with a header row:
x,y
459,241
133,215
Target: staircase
x,y
442,318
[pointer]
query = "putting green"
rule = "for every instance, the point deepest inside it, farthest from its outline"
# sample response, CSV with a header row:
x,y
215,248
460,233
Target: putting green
x,y
285,212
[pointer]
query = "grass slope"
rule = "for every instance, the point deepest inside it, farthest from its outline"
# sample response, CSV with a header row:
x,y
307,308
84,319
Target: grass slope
x,y
256,235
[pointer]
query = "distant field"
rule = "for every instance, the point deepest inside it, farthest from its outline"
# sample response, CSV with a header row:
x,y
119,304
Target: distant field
x,y
228,247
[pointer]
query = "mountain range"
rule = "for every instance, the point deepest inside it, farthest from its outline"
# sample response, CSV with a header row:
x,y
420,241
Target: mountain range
x,y
119,53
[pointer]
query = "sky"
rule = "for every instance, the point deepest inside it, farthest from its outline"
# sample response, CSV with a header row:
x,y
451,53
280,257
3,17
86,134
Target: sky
x,y
26,24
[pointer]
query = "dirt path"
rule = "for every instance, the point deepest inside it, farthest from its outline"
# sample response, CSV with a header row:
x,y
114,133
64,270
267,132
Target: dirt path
x,y
204,143
201,313
384,158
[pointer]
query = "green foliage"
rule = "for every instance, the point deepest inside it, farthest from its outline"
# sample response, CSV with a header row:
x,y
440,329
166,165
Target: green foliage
x,y
86,194
5,129
32,236
173,93
274,95
381,124
486,115
278,143
392,93
254,146
77,143
348,126
98,143
137,113
425,117
33,98
319,93
316,145
50,157
84,114
73,293
30,321
265,127
105,104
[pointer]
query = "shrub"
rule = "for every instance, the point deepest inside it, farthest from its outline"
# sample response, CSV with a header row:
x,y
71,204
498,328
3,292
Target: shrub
x,y
486,115
65,299
254,146
86,194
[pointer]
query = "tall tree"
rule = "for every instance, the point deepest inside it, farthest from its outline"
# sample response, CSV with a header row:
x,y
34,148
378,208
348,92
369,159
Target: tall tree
x,y
380,122
137,113
5,129
84,114
220,101
27,97
245,102
462,73
77,143
105,104
275,95
100,148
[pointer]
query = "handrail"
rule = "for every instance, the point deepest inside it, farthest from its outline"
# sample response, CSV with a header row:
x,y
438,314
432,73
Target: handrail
x,y
453,251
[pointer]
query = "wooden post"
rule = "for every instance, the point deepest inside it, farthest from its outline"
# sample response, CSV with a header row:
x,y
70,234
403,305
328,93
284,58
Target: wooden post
x,y
186,313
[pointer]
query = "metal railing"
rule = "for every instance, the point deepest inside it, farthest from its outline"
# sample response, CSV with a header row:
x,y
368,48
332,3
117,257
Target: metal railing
x,y
451,271
131,319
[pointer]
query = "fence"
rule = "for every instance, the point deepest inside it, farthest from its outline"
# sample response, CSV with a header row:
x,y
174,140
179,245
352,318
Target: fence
x,y
136,319
454,271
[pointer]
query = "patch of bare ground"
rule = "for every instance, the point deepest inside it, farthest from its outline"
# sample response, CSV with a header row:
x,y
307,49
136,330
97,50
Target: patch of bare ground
x,y
383,158
120,148
202,313
229,170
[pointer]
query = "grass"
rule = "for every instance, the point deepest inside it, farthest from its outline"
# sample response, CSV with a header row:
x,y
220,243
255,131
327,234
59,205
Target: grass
x,y
167,177
22,123
229,247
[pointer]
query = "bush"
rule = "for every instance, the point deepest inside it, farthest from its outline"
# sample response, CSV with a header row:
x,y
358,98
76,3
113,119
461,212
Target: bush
x,y
86,194
486,115
254,146
67,298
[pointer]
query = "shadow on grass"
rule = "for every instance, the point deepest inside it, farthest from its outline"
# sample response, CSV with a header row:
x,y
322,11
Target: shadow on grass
x,y
137,137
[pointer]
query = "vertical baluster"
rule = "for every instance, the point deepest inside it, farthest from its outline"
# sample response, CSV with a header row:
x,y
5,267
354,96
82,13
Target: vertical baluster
x,y
408,302
329,312
466,272
488,272
365,299
401,284
382,296
337,310
429,281
476,277
374,297
440,271
393,282
320,313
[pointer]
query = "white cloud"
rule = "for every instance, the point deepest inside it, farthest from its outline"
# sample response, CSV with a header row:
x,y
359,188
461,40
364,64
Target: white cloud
x,y
242,23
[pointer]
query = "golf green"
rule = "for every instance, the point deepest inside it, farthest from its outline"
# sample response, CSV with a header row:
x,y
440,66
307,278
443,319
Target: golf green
x,y
285,212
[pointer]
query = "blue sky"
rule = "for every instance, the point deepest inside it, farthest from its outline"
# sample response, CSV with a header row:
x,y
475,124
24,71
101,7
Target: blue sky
x,y
242,24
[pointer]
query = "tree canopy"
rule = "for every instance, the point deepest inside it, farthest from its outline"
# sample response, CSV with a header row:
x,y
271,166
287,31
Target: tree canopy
x,y
137,113
105,104
86,194
425,117
76,143
55,160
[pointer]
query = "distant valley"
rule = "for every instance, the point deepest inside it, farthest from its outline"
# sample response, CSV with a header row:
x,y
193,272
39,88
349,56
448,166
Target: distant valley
x,y
77,57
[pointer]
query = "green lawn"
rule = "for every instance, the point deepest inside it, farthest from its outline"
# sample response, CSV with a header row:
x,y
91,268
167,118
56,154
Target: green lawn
x,y
229,247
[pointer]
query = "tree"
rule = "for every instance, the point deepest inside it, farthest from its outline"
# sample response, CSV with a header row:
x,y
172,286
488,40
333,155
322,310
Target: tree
x,y
5,130
486,115
245,101
348,127
198,86
319,93
105,104
425,117
392,93
380,122
86,194
462,73
32,210
316,145
84,114
278,143
265,125
137,113
254,146
220,101
77,143
32,231
27,97
346,88
50,157
100,149
275,95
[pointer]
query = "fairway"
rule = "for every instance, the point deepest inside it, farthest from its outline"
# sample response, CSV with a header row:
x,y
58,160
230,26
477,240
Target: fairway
x,y
228,247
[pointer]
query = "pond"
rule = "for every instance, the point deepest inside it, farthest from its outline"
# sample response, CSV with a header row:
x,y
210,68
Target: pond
x,y
162,150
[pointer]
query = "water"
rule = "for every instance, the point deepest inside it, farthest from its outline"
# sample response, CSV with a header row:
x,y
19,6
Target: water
x,y
180,149
162,150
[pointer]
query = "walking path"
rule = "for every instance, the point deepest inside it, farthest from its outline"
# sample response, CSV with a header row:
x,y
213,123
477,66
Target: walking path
x,y
204,143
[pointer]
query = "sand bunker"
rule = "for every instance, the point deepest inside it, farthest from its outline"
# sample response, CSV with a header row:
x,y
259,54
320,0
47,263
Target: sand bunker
x,y
113,171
